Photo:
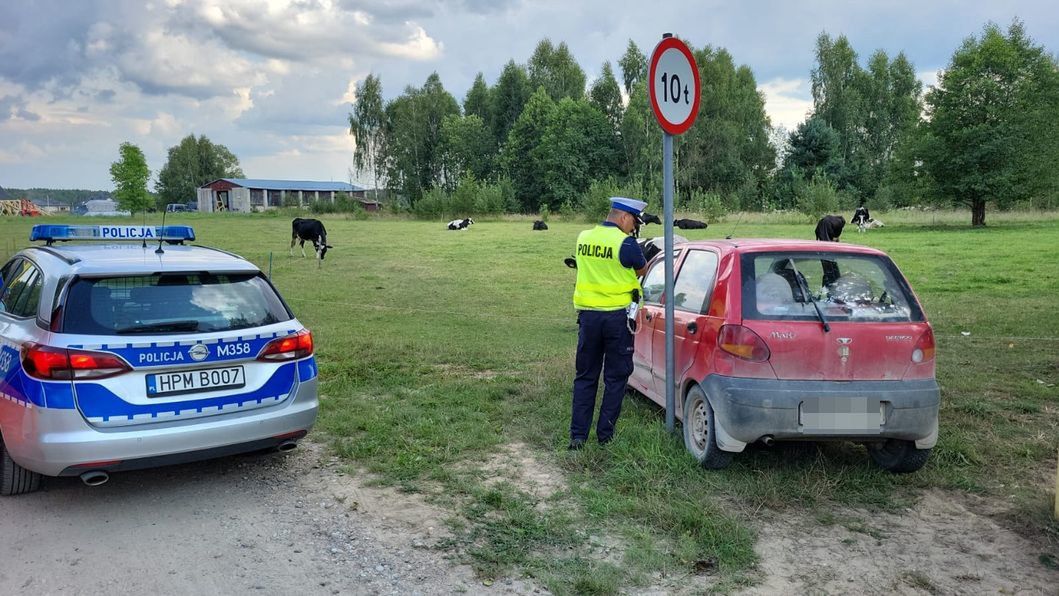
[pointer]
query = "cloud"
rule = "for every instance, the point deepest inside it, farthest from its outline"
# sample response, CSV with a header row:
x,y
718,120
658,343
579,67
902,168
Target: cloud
x,y
787,101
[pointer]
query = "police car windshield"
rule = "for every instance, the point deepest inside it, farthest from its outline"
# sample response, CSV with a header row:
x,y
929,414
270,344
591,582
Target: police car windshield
x,y
171,303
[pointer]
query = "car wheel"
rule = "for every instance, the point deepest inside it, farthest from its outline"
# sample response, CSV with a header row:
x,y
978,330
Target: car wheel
x,y
14,479
897,456
699,436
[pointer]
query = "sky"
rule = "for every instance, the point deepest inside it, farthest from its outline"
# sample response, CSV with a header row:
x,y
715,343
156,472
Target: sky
x,y
273,80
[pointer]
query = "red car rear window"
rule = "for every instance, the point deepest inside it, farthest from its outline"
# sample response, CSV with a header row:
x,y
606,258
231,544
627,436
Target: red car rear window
x,y
847,287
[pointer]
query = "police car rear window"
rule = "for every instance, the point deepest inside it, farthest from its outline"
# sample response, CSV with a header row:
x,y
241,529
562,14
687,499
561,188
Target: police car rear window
x,y
171,304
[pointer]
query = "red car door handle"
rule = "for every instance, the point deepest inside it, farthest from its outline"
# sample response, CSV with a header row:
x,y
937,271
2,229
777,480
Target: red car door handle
x,y
692,327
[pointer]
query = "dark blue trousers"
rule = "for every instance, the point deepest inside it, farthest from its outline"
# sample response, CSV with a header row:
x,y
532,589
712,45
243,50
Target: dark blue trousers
x,y
603,344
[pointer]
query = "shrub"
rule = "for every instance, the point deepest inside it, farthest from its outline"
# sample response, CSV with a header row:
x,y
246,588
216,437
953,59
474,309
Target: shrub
x,y
544,213
817,198
710,204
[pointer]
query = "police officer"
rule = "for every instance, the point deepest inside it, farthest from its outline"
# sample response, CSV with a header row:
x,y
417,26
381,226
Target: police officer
x,y
609,262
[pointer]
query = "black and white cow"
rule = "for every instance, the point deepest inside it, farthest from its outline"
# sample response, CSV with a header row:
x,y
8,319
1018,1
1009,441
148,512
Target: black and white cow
x,y
460,224
690,224
539,226
650,218
311,230
861,218
829,228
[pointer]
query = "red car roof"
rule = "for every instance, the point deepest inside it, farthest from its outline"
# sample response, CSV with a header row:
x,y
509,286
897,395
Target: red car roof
x,y
769,244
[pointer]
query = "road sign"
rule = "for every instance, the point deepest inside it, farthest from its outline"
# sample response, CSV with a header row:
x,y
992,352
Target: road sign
x,y
674,86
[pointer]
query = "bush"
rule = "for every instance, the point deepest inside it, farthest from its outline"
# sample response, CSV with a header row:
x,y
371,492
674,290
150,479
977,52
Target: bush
x,y
710,204
595,203
817,198
544,213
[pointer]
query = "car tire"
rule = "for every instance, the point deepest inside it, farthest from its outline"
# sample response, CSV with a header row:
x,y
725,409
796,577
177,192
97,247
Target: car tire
x,y
14,479
897,456
700,438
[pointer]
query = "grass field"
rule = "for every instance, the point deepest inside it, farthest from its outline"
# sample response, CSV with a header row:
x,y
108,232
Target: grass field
x,y
438,349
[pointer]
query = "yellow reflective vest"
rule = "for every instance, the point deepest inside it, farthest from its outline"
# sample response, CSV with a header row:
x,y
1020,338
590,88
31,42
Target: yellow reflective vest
x,y
602,282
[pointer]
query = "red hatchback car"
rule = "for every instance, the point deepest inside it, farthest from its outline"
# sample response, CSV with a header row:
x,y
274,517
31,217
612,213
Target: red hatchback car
x,y
791,340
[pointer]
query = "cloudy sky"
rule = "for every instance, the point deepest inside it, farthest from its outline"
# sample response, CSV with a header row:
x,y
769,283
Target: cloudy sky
x,y
273,79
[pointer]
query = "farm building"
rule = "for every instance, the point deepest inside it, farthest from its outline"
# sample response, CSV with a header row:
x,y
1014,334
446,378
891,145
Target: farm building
x,y
244,195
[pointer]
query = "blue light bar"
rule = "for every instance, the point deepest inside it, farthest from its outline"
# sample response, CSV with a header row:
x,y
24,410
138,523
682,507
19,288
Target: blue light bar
x,y
62,233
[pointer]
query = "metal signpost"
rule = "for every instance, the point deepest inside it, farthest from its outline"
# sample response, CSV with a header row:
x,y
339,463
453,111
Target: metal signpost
x,y
674,89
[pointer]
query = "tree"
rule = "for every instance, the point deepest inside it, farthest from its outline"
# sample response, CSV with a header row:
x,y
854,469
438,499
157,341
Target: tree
x,y
477,101
130,175
633,66
814,147
556,70
994,122
520,157
579,145
606,96
641,139
728,150
837,87
367,124
507,99
192,162
413,138
467,147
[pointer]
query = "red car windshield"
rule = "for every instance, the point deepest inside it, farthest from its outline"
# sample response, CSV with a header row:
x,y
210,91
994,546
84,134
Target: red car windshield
x,y
846,287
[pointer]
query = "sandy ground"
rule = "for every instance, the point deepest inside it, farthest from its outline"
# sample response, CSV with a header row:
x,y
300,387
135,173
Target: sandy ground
x,y
260,524
299,524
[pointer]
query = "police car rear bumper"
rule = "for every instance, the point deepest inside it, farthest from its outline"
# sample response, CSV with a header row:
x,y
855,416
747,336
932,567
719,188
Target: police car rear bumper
x,y
62,443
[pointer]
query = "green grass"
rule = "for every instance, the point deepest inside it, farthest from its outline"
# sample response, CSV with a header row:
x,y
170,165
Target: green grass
x,y
437,348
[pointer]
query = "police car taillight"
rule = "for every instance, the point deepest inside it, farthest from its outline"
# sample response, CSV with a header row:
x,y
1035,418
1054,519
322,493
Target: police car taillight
x,y
54,364
291,347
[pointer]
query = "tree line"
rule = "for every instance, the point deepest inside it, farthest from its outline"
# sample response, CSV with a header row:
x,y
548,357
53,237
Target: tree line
x,y
541,138
192,162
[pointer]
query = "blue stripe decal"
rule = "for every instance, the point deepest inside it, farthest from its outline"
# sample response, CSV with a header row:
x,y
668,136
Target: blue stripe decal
x,y
307,369
96,401
59,396
145,355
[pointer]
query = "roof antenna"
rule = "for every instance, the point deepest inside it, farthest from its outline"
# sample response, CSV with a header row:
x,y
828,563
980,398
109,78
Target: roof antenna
x,y
737,222
161,235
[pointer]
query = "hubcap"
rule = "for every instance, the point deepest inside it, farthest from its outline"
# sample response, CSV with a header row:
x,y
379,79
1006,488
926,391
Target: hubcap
x,y
699,427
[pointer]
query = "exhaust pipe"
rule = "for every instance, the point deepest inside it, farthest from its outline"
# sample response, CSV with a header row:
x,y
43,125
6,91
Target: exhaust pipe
x,y
95,477
287,445
768,440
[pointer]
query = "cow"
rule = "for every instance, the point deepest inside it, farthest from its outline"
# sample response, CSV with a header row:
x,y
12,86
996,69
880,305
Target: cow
x,y
460,224
875,223
861,218
313,231
690,224
829,228
539,226
650,218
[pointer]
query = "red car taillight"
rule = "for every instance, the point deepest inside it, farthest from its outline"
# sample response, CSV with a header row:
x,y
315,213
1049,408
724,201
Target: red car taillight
x,y
924,348
291,347
50,363
742,342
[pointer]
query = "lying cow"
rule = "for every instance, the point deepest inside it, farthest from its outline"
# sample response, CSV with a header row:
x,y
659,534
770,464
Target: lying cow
x,y
861,218
690,224
650,218
829,228
539,226
875,223
313,231
460,224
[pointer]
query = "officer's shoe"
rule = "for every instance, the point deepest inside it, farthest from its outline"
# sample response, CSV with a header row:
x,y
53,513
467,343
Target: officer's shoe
x,y
576,445
605,441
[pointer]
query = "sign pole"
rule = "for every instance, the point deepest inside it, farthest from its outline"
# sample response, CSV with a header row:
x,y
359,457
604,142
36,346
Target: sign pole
x,y
667,202
674,92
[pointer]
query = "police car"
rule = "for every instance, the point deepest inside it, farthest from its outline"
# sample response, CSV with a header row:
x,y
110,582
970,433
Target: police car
x,y
139,350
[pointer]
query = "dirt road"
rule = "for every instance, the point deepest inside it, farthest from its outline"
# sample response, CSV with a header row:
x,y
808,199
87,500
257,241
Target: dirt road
x,y
275,524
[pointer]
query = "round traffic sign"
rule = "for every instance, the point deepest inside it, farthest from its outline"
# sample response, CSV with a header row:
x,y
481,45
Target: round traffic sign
x,y
674,86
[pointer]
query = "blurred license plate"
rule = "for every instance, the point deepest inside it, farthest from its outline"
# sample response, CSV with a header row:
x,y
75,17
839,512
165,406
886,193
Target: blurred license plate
x,y
195,381
840,413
